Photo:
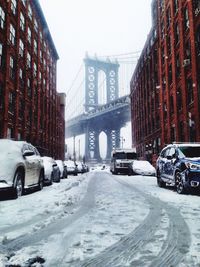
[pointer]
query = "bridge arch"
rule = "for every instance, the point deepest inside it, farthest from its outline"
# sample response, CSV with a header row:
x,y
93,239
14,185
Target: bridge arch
x,y
92,67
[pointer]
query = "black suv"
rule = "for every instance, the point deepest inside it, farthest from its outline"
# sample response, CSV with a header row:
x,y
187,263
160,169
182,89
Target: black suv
x,y
179,165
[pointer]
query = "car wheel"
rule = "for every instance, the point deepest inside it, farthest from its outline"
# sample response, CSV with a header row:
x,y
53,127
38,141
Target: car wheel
x,y
41,181
18,187
180,188
160,182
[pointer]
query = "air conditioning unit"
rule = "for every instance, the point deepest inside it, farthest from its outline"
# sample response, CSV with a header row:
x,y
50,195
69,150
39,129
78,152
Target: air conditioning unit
x,y
186,62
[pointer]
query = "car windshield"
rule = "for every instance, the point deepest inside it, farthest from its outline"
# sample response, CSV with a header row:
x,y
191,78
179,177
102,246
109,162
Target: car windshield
x,y
190,151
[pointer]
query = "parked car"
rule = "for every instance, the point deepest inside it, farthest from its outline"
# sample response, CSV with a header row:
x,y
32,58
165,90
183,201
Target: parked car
x,y
143,167
62,168
179,165
71,167
80,167
21,167
51,170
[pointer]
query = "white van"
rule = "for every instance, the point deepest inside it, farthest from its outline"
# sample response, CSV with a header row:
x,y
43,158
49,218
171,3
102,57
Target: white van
x,y
121,160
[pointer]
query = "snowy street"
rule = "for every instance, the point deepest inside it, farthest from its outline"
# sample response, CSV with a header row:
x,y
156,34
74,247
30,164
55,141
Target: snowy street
x,y
103,220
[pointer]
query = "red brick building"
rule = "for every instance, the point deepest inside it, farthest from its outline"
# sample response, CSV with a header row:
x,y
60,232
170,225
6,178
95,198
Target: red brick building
x,y
30,107
165,87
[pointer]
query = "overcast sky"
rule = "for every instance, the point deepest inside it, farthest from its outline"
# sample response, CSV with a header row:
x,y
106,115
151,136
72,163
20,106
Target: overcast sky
x,y
101,27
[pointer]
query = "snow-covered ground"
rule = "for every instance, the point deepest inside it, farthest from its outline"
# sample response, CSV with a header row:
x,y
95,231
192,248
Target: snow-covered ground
x,y
100,219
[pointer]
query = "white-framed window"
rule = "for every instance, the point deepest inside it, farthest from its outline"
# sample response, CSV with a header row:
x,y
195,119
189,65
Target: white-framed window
x,y
40,55
30,12
45,46
21,48
29,35
24,2
21,74
40,76
44,62
13,6
34,69
35,25
28,62
2,18
35,46
28,87
11,65
40,37
22,21
12,34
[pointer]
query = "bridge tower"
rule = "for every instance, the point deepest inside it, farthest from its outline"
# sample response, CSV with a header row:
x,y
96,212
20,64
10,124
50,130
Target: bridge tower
x,y
92,68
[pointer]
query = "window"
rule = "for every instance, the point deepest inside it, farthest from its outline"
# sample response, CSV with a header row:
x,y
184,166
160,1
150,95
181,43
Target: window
x,y
12,34
170,74
35,25
190,96
179,99
181,132
9,133
24,2
1,54
171,104
41,37
28,60
177,33
186,19
188,50
169,45
29,35
21,107
34,70
168,17
35,46
13,6
40,55
175,6
198,40
44,64
178,66
21,48
2,18
22,21
11,102
12,67
30,13
29,87
1,95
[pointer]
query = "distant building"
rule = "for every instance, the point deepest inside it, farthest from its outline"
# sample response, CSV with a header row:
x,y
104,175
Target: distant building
x,y
30,107
165,87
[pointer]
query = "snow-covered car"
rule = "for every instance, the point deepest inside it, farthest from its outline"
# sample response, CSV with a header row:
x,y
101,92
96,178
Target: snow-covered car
x,y
143,167
51,171
21,167
80,167
71,167
62,168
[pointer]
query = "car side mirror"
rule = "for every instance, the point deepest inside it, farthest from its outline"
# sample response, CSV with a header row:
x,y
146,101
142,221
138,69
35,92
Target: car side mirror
x,y
27,153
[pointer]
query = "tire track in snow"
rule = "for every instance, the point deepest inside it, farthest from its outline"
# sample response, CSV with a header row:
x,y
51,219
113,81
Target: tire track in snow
x,y
86,204
172,251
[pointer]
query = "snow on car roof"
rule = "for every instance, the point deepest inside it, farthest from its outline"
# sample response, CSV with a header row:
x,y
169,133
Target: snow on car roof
x,y
10,145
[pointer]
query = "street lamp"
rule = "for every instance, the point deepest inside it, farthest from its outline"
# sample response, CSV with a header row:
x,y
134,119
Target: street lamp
x,y
122,140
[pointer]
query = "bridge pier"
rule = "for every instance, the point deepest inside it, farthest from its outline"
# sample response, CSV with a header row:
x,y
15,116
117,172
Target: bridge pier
x,y
92,145
113,141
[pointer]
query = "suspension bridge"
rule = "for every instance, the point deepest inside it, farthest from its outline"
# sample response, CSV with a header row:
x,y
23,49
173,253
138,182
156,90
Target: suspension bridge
x,y
98,101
